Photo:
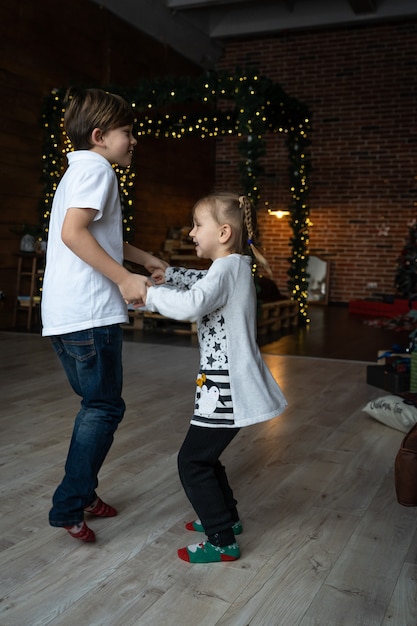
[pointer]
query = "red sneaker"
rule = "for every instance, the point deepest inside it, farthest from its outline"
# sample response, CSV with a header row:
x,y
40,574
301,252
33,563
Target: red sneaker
x,y
84,533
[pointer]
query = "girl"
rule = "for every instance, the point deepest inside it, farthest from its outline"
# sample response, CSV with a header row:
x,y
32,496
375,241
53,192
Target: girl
x,y
234,386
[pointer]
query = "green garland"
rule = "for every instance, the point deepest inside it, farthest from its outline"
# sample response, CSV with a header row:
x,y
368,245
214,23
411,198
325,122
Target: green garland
x,y
243,104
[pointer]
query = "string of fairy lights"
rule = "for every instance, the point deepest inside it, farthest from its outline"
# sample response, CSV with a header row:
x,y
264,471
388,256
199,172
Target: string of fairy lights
x,y
216,104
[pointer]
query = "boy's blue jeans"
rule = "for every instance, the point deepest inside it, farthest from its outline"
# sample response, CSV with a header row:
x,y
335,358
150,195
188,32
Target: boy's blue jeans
x,y
92,360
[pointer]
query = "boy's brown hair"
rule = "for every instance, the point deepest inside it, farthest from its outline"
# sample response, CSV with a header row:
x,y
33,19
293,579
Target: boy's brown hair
x,y
87,109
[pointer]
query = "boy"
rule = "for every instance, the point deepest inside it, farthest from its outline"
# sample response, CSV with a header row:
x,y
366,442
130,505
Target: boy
x,y
85,292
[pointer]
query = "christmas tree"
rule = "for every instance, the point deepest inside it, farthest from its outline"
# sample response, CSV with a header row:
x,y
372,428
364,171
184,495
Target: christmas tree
x,y
406,274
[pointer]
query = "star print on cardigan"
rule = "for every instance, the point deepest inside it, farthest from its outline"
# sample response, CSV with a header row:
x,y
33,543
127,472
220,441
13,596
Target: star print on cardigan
x,y
211,329
212,340
182,278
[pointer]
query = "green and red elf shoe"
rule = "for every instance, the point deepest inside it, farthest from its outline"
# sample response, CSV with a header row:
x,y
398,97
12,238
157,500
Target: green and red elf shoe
x,y
207,553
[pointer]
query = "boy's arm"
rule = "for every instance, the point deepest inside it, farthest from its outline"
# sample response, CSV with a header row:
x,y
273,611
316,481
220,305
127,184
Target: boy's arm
x,y
77,237
136,255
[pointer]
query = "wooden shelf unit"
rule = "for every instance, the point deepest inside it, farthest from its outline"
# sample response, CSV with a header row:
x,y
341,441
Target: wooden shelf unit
x,y
273,317
30,268
279,315
147,320
181,252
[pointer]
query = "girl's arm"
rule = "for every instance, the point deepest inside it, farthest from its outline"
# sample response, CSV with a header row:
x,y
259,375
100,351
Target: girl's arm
x,y
183,278
179,277
76,236
207,294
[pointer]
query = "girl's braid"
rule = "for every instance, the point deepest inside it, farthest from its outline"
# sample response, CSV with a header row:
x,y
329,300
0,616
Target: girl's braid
x,y
246,205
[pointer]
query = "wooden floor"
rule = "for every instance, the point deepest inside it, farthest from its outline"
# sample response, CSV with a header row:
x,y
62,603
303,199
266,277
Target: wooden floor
x,y
336,334
325,543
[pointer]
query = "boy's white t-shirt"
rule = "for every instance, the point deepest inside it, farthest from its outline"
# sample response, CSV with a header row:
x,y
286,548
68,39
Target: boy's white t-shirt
x,y
75,296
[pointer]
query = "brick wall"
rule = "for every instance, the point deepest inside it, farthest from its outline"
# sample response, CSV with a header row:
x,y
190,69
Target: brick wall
x,y
361,85
51,45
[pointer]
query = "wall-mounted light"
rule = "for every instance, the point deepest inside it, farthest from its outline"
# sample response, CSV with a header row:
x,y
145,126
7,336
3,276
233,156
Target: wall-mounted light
x,y
278,214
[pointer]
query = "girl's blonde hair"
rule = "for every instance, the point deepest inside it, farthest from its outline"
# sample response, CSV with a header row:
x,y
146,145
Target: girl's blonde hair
x,y
240,214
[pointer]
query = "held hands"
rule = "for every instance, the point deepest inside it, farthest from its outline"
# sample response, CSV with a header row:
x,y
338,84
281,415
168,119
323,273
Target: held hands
x,y
154,264
157,268
133,288
158,276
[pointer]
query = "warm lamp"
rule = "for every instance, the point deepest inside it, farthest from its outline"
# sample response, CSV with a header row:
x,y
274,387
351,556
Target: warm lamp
x,y
278,214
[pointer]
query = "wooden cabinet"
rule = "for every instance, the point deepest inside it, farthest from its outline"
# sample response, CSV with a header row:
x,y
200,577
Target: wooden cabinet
x,y
30,269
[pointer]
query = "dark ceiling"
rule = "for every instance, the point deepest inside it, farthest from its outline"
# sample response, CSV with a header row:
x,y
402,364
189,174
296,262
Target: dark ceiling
x,y
197,29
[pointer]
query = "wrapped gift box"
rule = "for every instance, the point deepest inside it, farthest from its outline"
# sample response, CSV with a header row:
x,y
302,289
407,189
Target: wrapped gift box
x,y
387,378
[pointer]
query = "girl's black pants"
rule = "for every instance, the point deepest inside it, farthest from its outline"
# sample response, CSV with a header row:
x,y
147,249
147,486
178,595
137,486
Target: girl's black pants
x,y
205,481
